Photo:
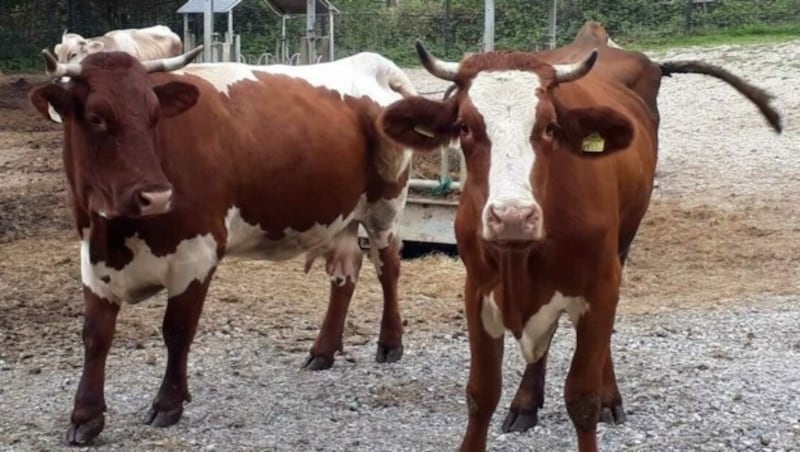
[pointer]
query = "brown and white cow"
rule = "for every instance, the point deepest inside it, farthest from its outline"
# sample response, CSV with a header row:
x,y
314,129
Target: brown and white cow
x,y
148,43
560,167
642,76
167,173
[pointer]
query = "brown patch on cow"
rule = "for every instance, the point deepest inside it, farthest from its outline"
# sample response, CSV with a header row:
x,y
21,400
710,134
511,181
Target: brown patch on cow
x,y
584,410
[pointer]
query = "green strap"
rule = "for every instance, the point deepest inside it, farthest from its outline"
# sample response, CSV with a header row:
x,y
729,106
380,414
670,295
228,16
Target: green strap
x,y
443,188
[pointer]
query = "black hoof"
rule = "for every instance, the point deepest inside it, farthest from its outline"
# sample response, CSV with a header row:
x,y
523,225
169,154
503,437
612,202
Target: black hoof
x,y
614,415
317,362
83,433
520,421
388,354
161,418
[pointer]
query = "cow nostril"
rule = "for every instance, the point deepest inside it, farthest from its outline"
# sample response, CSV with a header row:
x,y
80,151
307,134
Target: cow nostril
x,y
154,202
144,200
494,216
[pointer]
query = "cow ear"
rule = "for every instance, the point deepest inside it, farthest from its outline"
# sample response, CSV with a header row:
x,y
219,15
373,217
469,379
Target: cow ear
x,y
51,100
94,46
176,97
419,123
595,131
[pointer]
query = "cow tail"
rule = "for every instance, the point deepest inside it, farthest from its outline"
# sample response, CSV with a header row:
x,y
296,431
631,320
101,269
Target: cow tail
x,y
758,96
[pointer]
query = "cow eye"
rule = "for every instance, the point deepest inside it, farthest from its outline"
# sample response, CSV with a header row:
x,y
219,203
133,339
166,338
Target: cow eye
x,y
551,130
96,122
463,128
72,55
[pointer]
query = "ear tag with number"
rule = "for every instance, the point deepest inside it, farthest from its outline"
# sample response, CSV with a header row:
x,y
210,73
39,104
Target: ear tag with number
x,y
422,130
593,143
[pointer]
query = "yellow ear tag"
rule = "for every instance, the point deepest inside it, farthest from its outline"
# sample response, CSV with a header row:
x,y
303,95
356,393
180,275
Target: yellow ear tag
x,y
424,131
593,143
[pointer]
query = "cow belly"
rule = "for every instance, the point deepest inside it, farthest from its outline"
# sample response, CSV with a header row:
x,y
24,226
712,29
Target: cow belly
x,y
146,273
249,240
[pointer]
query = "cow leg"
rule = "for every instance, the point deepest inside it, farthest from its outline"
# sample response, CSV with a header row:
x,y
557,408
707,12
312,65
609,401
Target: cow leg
x,y
485,374
390,340
178,328
343,264
523,413
613,413
611,400
99,323
583,390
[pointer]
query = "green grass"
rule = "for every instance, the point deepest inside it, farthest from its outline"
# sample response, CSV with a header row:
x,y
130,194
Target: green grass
x,y
747,35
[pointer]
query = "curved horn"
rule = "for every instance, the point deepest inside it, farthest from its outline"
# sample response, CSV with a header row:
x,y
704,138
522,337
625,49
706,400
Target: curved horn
x,y
55,69
173,63
445,70
574,71
449,91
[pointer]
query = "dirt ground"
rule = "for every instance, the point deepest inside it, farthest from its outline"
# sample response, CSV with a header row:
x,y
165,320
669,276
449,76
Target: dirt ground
x,y
723,227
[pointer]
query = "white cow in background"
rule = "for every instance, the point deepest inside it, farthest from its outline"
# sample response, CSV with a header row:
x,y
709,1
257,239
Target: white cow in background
x,y
143,43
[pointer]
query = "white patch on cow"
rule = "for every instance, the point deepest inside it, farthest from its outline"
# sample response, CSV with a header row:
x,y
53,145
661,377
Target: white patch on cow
x,y
507,101
363,74
382,222
243,237
221,76
539,329
246,239
146,273
491,317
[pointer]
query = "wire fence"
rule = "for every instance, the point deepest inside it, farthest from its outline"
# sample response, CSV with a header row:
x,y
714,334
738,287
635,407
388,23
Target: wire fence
x,y
448,27
27,27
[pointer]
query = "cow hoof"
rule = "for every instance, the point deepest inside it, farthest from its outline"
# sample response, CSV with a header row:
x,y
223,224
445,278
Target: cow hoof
x,y
161,418
318,362
613,415
388,354
520,421
83,433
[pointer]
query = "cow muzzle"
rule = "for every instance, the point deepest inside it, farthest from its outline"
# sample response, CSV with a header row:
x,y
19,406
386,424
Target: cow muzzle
x,y
512,221
154,201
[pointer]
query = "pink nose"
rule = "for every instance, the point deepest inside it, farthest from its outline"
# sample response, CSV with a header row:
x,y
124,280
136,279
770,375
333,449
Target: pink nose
x,y
517,221
155,202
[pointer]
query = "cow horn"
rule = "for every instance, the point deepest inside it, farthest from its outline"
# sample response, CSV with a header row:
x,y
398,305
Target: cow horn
x,y
574,71
173,63
55,69
445,70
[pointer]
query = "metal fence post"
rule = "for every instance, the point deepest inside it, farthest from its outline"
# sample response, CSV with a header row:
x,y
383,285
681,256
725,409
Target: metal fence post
x,y
488,26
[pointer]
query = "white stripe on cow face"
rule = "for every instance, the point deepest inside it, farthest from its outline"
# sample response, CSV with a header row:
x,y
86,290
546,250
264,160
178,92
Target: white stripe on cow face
x,y
507,102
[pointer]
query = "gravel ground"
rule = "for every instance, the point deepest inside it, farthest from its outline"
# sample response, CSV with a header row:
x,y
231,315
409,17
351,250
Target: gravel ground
x,y
695,375
701,380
